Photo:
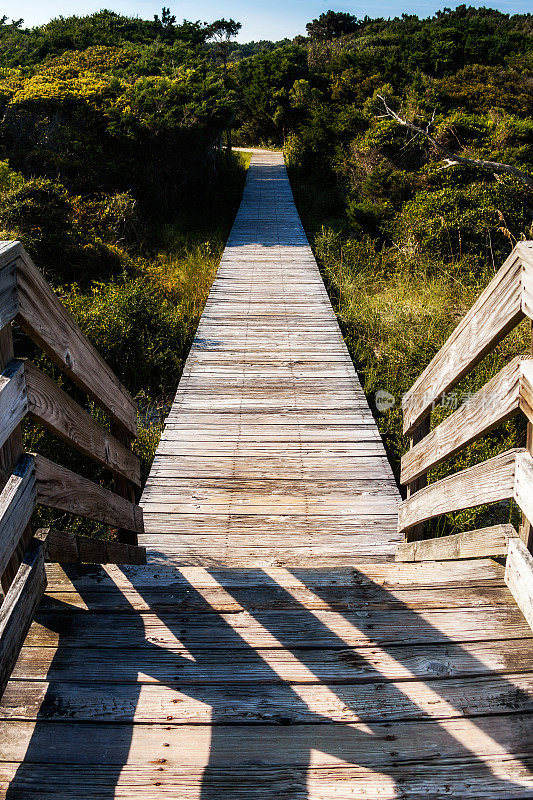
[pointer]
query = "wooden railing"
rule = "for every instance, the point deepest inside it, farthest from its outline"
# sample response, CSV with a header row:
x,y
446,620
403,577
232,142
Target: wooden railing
x,y
502,305
30,479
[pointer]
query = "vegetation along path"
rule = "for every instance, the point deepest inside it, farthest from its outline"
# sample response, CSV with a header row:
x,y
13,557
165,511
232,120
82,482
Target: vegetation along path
x,y
271,648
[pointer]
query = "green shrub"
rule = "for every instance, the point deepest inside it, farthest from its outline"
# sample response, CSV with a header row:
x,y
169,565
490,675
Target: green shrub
x,y
141,335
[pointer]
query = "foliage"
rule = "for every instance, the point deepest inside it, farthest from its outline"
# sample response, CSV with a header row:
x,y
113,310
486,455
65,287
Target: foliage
x,y
265,83
96,121
405,244
112,176
332,25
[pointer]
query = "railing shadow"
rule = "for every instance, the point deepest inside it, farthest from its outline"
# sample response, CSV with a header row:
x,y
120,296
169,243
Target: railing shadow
x,y
266,738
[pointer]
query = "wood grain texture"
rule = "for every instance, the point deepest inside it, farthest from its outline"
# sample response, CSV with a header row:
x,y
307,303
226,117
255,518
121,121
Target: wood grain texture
x,y
17,504
519,577
277,703
72,548
487,482
492,541
44,318
9,253
13,401
523,485
10,454
18,607
497,310
60,488
51,406
492,405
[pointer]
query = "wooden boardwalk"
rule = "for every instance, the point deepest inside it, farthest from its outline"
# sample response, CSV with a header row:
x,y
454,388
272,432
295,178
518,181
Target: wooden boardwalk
x,y
270,454
271,650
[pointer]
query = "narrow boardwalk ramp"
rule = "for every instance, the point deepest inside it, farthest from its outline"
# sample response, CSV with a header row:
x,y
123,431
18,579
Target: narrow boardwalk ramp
x,y
270,454
270,650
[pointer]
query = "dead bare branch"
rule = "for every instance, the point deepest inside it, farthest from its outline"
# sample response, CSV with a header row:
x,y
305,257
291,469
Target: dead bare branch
x,y
452,159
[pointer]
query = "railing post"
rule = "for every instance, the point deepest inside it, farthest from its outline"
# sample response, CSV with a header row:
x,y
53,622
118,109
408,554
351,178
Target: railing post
x,y
123,487
526,529
419,432
9,456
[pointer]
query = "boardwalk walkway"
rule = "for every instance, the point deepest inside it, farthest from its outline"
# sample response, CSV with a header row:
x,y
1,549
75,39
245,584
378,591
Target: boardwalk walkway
x,y
270,454
271,650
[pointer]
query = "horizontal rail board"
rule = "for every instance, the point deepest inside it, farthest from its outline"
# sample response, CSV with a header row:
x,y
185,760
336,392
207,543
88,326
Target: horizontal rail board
x,y
492,541
13,402
498,309
59,488
18,608
71,548
17,503
489,482
51,406
495,403
46,321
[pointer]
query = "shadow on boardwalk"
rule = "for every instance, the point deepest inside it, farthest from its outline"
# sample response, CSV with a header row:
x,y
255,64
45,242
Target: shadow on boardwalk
x,y
403,754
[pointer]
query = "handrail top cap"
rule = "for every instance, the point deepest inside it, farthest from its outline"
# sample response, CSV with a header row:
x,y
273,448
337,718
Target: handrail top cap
x,y
9,250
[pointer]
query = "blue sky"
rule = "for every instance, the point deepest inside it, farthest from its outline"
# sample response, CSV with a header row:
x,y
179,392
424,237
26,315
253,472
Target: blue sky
x,y
273,19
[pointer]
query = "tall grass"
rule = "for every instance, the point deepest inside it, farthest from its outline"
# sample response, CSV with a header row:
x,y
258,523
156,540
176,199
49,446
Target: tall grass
x,y
396,310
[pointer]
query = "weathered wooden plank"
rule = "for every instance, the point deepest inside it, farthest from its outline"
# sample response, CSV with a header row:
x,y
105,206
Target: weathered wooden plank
x,y
270,467
438,741
13,403
212,598
270,528
466,777
495,403
523,488
487,482
45,319
291,629
519,577
60,488
51,406
8,282
264,666
240,704
479,573
493,541
10,454
497,310
72,548
17,503
18,607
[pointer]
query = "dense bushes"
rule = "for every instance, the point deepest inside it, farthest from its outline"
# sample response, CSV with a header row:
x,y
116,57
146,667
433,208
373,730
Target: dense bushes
x,y
114,180
405,241
96,121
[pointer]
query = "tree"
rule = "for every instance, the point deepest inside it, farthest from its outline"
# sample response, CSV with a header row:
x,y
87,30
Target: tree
x,y
332,25
167,20
221,32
